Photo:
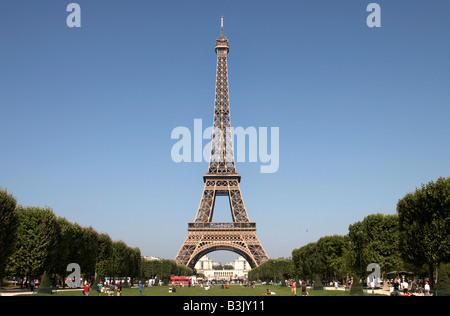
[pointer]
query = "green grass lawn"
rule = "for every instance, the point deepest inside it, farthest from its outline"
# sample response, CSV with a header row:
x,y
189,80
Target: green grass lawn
x,y
233,290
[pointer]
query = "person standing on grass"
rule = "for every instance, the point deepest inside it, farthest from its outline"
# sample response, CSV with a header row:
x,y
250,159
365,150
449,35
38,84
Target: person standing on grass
x,y
140,288
405,287
86,289
396,287
304,290
294,287
111,289
427,289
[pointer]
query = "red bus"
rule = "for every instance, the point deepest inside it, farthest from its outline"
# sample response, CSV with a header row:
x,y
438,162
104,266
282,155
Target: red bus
x,y
181,279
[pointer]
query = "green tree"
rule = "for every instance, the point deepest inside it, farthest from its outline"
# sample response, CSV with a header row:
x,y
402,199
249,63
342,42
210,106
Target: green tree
x,y
356,245
135,263
166,268
163,269
105,246
356,288
35,241
276,270
65,242
443,282
8,228
424,224
304,261
375,240
45,287
182,270
88,250
318,285
76,246
119,266
330,257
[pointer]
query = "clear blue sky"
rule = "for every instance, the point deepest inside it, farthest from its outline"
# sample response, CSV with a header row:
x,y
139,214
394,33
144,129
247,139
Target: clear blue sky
x,y
86,113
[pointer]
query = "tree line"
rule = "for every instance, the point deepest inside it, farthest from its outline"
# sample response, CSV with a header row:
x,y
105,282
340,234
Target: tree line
x,y
415,239
163,269
34,240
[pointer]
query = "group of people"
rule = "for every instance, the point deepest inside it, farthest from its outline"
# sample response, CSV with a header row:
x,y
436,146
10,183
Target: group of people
x,y
416,287
303,287
27,284
293,286
104,287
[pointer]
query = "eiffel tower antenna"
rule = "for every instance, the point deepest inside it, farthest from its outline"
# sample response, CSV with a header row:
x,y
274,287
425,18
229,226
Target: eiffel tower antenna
x,y
205,236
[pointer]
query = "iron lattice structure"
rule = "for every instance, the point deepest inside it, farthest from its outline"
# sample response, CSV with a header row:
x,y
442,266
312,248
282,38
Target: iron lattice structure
x,y
205,236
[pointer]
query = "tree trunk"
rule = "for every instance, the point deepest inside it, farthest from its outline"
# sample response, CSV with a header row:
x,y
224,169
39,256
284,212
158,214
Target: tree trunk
x,y
430,277
385,283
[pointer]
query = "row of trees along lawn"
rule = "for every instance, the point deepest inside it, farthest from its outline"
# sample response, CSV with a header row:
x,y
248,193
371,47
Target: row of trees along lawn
x,y
34,240
273,270
416,239
162,270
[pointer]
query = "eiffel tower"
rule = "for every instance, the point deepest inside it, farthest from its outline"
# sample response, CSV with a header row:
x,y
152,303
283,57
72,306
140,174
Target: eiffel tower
x,y
222,179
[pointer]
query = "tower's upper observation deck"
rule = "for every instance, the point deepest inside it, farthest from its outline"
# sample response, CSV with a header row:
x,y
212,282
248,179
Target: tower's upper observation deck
x,y
222,41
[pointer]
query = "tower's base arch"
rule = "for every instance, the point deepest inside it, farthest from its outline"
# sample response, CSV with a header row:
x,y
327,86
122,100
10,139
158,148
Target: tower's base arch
x,y
203,240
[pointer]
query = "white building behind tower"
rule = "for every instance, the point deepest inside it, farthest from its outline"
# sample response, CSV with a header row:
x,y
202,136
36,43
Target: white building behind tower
x,y
239,271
